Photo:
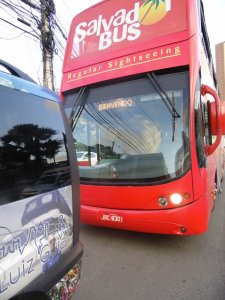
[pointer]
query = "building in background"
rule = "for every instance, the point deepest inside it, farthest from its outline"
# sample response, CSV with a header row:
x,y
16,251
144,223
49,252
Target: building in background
x,y
220,68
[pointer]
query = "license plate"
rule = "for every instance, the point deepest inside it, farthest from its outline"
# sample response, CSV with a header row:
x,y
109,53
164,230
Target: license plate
x,y
114,218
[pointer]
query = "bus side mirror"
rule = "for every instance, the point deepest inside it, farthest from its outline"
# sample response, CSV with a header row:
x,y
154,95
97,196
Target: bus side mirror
x,y
212,117
216,118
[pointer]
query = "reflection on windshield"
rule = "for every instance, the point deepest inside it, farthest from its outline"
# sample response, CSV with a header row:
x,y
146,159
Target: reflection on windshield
x,y
33,150
132,132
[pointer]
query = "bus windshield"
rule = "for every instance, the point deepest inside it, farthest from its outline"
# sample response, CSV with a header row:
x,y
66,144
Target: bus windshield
x,y
129,127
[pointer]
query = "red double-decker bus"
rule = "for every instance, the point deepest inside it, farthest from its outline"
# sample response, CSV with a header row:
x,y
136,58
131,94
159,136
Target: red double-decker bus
x,y
140,92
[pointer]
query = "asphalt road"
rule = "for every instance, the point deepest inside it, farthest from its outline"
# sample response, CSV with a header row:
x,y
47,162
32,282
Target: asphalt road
x,y
125,265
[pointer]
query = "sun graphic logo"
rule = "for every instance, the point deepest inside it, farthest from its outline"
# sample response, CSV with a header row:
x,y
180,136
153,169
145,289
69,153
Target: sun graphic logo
x,y
153,11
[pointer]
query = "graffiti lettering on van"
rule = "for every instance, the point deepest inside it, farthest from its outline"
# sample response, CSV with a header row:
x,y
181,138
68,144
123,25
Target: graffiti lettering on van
x,y
23,253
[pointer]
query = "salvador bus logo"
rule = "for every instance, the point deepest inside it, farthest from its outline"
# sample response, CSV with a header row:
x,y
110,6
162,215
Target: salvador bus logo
x,y
153,11
122,25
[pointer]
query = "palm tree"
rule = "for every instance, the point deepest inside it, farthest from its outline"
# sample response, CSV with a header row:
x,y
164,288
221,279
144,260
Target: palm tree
x,y
152,3
32,140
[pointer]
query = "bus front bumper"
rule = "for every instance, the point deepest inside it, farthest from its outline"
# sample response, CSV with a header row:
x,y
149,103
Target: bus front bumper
x,y
187,220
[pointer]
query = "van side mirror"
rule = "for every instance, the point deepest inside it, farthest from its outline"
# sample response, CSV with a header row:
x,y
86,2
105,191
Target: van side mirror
x,y
216,118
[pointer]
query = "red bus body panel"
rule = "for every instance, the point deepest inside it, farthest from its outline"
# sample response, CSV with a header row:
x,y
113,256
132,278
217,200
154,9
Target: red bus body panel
x,y
136,197
136,208
155,46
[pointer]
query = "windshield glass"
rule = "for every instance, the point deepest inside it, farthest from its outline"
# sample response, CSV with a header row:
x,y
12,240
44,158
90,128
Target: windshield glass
x,y
131,131
33,150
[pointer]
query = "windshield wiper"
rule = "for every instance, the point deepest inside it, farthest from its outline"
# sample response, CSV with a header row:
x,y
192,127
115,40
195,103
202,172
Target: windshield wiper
x,y
75,114
165,97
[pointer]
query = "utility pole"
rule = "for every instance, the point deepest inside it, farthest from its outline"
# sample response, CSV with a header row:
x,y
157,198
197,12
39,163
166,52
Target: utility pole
x,y
46,24
47,41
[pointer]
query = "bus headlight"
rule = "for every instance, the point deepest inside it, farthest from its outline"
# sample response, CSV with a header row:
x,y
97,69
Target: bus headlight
x,y
176,199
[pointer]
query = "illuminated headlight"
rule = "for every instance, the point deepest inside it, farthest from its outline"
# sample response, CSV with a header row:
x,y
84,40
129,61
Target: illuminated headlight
x,y
163,201
176,199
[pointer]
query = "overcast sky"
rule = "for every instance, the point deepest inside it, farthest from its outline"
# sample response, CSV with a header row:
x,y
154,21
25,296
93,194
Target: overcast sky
x,y
25,53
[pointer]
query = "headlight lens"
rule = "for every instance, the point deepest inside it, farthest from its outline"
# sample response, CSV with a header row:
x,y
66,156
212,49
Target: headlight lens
x,y
176,199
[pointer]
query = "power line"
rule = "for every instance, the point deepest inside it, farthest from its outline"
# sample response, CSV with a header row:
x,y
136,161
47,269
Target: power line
x,y
35,14
25,31
61,31
67,7
20,13
13,38
29,3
